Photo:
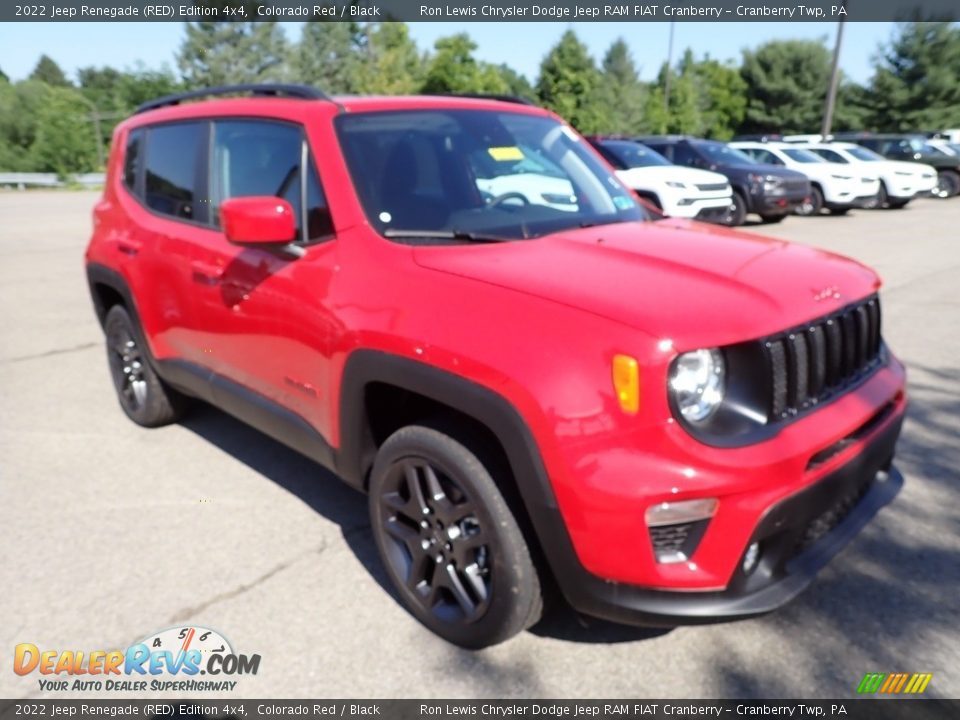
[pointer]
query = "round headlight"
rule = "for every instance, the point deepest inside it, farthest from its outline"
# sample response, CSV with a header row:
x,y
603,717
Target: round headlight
x,y
697,383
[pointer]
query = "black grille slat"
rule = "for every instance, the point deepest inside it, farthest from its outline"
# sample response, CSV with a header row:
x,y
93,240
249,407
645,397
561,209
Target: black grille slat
x,y
818,360
862,323
799,370
778,375
834,352
873,318
848,330
809,364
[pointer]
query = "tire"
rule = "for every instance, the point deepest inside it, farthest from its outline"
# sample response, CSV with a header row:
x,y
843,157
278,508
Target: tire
x,y
772,219
143,396
451,546
814,206
948,184
839,212
738,211
883,198
897,204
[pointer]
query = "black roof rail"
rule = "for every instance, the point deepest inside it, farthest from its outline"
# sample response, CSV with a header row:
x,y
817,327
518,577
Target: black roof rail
x,y
301,92
516,99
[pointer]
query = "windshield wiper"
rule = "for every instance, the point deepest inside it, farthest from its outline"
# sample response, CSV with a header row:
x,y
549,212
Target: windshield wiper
x,y
401,234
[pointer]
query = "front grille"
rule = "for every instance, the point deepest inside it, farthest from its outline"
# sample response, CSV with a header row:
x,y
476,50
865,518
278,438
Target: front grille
x,y
796,185
809,364
711,187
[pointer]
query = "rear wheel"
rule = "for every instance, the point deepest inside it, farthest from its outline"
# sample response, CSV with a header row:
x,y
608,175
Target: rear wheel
x,y
813,204
738,211
142,394
451,546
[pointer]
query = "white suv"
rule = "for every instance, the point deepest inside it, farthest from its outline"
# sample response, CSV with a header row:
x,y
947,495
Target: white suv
x,y
836,187
899,181
677,191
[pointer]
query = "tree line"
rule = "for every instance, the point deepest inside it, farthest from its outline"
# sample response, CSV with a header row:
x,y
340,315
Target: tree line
x,y
50,123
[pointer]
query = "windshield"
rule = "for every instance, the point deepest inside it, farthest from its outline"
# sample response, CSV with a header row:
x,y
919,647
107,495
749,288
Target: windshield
x,y
922,146
634,155
802,156
864,154
475,175
721,154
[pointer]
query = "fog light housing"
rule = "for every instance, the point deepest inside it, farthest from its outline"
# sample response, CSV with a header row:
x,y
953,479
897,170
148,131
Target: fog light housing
x,y
750,558
676,528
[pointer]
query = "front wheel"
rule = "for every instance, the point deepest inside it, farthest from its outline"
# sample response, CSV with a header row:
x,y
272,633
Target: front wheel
x,y
772,219
948,184
813,204
451,546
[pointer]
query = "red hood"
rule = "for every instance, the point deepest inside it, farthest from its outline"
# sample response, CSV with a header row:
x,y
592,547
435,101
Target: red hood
x,y
696,284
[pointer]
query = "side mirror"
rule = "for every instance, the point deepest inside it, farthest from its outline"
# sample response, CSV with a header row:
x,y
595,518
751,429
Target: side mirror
x,y
258,220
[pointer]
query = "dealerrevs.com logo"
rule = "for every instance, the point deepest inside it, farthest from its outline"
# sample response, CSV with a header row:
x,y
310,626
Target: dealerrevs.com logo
x,y
182,659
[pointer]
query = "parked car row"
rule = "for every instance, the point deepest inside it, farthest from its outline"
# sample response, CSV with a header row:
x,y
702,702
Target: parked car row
x,y
773,177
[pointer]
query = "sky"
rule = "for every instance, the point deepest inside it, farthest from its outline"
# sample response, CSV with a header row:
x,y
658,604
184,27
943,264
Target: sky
x,y
521,45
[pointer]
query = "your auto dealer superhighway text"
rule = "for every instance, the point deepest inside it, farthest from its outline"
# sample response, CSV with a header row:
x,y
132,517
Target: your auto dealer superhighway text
x,y
652,11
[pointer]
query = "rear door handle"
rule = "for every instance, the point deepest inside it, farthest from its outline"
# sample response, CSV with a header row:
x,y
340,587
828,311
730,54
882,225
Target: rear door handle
x,y
128,247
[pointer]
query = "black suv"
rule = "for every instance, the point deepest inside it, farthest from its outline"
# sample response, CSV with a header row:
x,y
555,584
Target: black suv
x,y
913,147
770,191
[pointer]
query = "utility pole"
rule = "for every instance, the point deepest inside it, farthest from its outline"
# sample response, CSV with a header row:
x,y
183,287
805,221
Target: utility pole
x,y
834,79
666,81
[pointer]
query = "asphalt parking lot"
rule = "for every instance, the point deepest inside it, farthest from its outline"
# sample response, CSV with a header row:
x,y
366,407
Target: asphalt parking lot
x,y
109,532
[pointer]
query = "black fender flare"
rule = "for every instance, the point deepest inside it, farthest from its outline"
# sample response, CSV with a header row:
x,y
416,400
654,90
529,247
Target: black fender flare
x,y
485,406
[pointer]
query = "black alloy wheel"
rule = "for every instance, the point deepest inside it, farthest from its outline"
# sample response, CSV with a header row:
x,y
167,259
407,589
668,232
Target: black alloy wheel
x,y
451,546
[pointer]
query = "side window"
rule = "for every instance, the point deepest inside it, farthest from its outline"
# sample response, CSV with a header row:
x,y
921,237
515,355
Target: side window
x,y
170,185
252,157
132,159
765,156
683,155
831,156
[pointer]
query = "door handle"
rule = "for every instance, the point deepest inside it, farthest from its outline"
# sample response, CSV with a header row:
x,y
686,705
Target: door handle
x,y
206,273
128,247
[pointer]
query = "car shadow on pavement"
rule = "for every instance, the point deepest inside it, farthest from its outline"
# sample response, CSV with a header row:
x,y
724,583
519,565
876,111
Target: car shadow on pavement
x,y
889,601
331,498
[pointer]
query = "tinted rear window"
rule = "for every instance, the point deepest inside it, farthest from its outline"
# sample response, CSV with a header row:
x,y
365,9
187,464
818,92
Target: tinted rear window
x,y
171,168
132,159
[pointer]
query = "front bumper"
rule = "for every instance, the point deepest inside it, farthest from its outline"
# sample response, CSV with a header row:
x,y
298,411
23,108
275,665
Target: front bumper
x,y
797,537
778,204
698,206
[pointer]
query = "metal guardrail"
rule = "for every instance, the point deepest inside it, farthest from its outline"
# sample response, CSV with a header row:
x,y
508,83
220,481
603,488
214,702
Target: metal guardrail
x,y
25,180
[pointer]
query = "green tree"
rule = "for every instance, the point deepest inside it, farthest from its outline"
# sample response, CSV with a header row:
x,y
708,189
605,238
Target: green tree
x,y
227,53
621,96
453,69
916,85
568,84
329,56
786,83
721,97
65,141
517,84
3,77
20,106
49,72
140,83
392,64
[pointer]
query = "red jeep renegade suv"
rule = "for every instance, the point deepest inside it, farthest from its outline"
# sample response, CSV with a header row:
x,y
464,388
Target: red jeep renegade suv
x,y
454,305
